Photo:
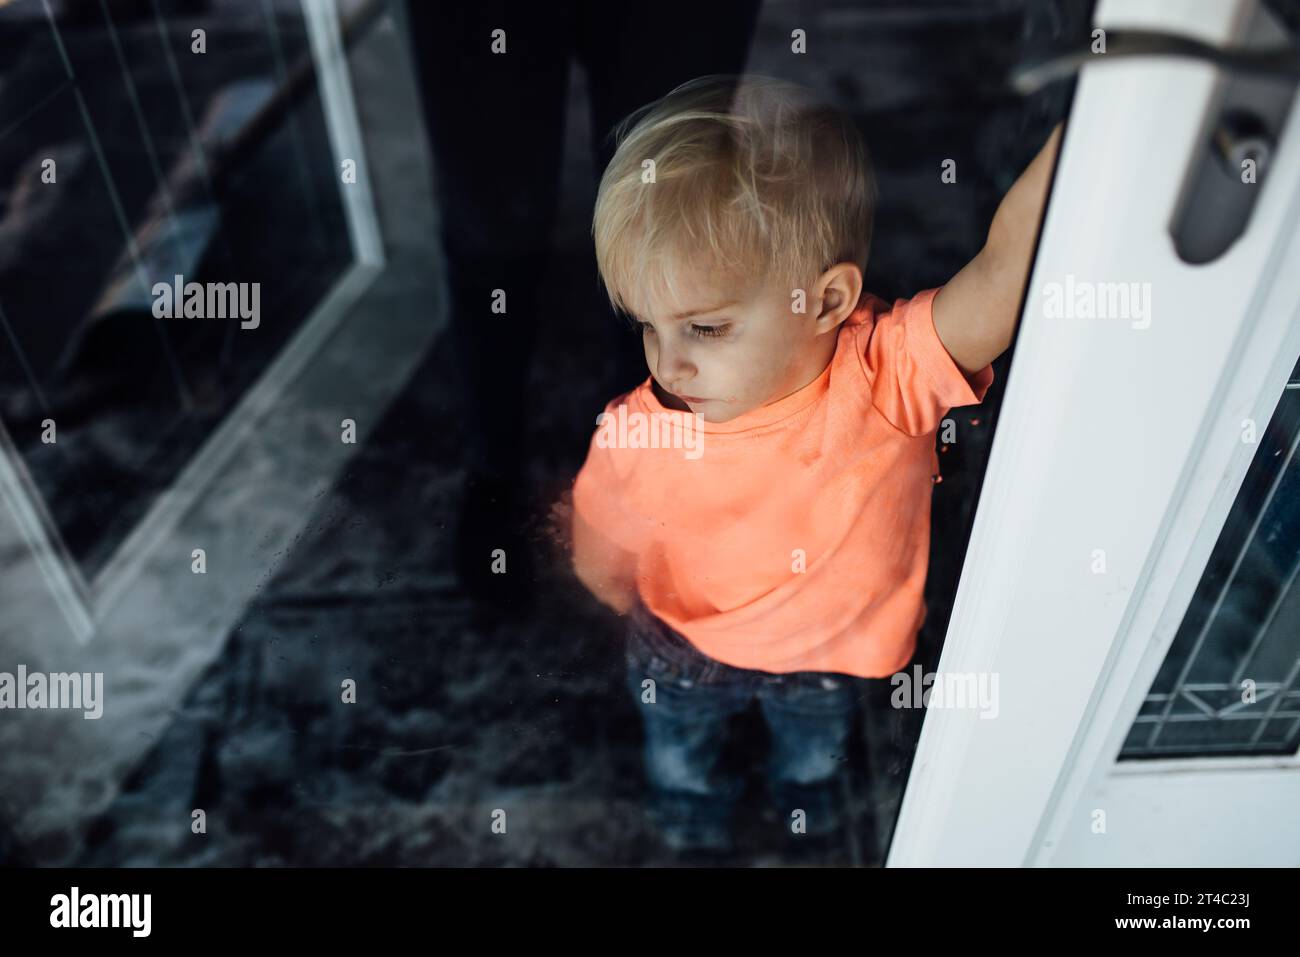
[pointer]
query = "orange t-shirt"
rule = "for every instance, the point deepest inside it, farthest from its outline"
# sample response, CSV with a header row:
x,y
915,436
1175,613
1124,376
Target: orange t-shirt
x,y
794,537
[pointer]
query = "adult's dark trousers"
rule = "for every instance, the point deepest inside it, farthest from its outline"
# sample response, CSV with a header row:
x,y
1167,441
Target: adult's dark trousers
x,y
496,127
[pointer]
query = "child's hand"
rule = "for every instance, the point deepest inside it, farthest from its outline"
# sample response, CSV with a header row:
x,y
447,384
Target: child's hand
x,y
975,313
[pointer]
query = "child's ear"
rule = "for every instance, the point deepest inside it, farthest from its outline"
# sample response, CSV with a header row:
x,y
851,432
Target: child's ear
x,y
839,290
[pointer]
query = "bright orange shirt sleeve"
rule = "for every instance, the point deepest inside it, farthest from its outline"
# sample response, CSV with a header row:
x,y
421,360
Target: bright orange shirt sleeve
x,y
914,381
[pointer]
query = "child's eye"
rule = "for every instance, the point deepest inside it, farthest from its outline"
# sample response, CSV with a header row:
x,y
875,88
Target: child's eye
x,y
699,331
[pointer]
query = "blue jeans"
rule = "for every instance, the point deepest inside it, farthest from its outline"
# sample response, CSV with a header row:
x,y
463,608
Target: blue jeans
x,y
809,715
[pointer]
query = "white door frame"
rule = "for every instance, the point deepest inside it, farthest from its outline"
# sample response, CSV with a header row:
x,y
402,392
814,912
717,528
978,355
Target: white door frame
x,y
1122,440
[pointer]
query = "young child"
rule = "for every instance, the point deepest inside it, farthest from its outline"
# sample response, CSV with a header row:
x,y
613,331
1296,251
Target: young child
x,y
759,506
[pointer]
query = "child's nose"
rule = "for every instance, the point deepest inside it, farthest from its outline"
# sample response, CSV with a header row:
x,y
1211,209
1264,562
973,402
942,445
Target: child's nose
x,y
673,368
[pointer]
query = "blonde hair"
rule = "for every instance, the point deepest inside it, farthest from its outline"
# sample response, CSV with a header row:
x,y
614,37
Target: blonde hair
x,y
752,176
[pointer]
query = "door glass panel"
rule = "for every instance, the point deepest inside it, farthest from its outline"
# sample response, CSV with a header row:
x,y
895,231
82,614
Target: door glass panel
x,y
128,157
472,699
1228,685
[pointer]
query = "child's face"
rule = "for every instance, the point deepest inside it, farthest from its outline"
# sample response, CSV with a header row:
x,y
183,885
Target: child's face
x,y
743,346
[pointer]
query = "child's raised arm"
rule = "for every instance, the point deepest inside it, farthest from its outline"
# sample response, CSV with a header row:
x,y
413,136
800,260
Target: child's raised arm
x,y
975,313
